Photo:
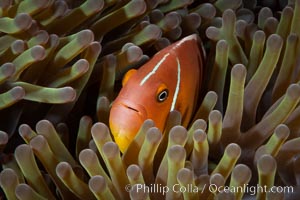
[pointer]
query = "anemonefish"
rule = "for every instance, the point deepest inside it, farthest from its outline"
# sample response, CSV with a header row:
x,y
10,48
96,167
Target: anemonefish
x,y
169,81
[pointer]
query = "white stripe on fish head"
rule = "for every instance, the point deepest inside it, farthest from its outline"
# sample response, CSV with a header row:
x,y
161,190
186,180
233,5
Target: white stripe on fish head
x,y
177,85
154,69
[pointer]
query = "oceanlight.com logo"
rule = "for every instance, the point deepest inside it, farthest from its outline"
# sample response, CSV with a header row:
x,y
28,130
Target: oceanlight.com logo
x,y
250,190
212,188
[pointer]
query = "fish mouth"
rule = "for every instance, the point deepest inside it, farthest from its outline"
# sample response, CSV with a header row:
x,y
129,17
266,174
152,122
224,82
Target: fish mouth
x,y
131,108
135,108
125,120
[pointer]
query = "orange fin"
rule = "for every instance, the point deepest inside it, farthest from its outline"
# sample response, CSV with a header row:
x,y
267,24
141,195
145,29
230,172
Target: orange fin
x,y
127,76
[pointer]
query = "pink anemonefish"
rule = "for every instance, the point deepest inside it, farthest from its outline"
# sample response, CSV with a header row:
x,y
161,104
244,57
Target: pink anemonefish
x,y
169,81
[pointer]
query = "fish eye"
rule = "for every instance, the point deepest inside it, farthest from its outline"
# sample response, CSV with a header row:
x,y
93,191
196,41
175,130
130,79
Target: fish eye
x,y
163,95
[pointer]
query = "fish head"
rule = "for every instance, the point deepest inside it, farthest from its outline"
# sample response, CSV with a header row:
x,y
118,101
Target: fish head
x,y
146,94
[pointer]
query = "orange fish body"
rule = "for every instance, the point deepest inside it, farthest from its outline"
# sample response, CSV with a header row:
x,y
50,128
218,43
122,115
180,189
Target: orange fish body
x,y
169,81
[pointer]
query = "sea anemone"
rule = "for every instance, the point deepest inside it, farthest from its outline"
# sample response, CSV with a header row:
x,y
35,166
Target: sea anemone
x,y
61,66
